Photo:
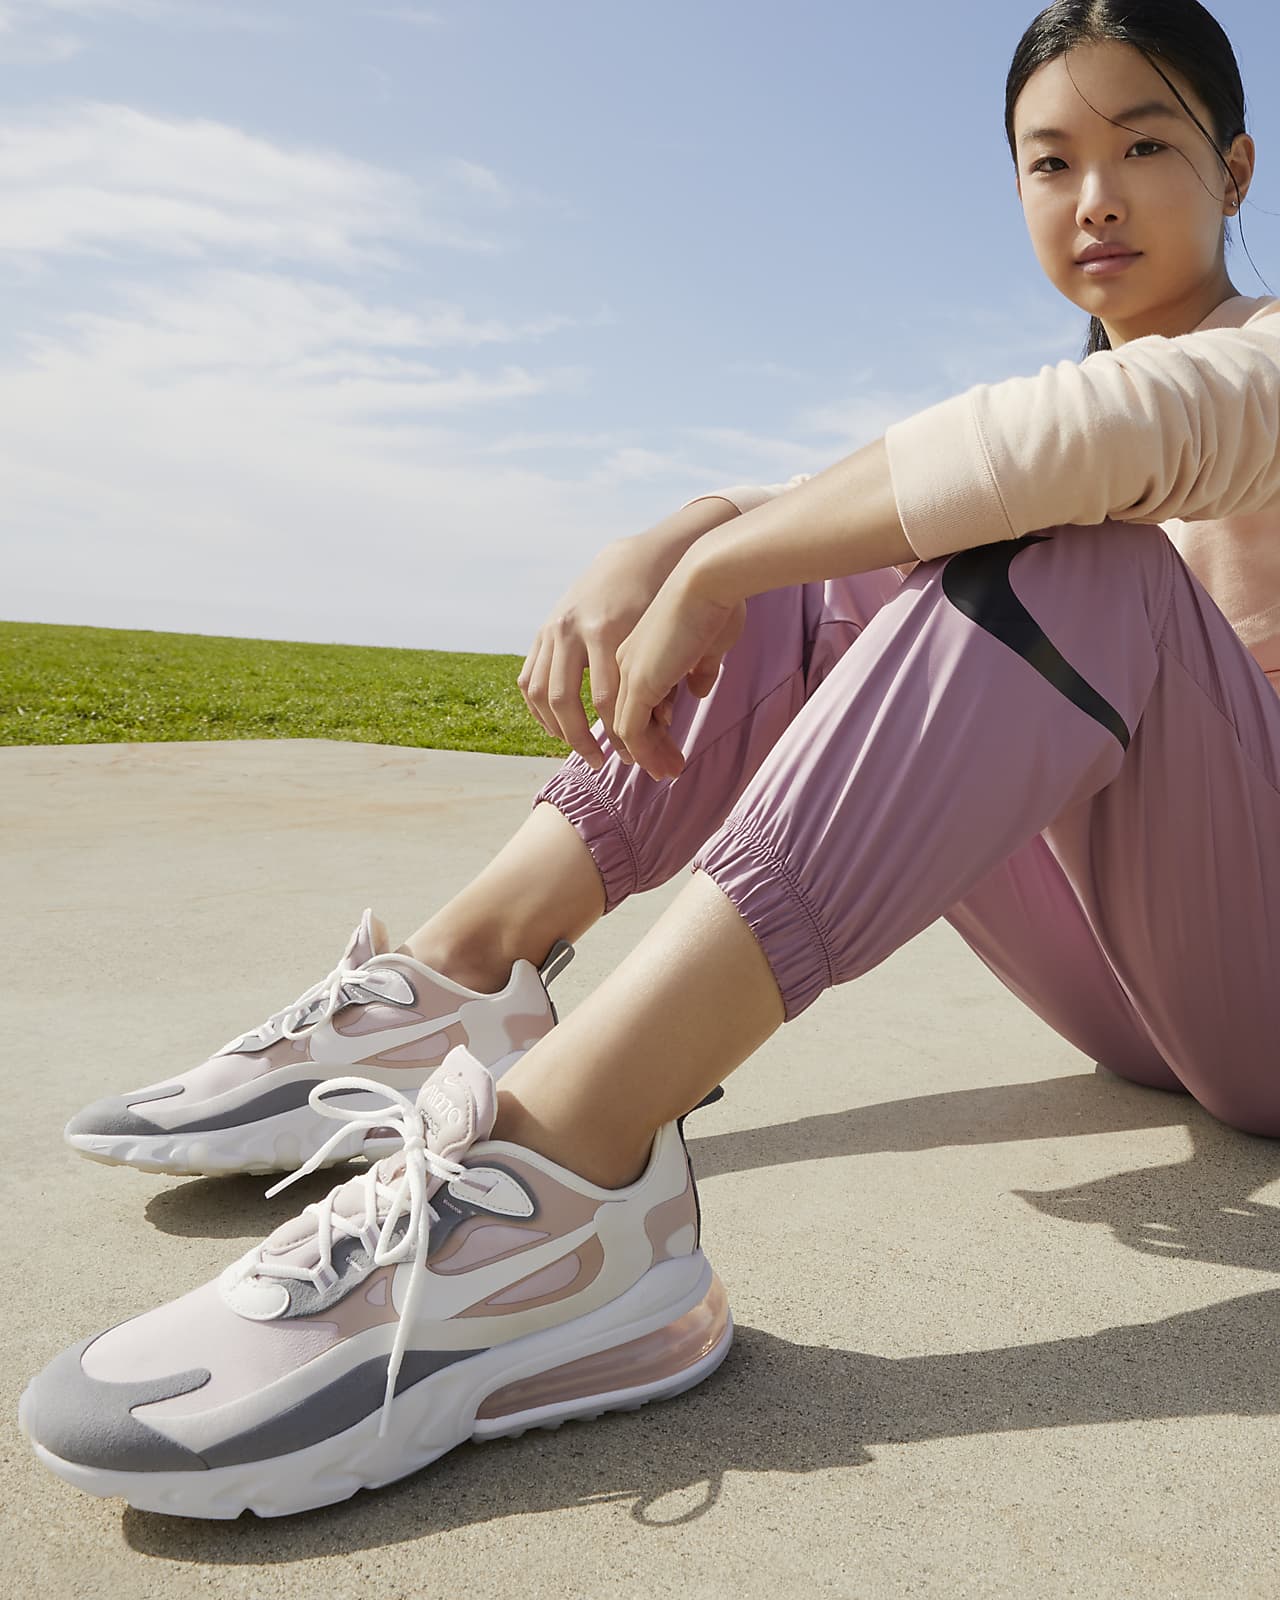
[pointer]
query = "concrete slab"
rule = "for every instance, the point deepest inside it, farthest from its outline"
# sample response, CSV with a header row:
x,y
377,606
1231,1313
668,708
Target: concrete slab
x,y
1007,1326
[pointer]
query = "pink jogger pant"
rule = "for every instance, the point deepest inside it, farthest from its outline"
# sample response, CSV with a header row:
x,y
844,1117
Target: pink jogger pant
x,y
1058,743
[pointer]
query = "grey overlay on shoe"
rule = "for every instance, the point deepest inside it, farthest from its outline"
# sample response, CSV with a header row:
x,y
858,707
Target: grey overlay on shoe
x,y
89,1421
113,1116
333,1409
350,1260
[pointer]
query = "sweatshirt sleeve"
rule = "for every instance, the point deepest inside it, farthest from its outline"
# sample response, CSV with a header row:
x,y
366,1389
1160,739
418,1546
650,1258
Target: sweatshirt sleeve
x,y
747,496
1182,427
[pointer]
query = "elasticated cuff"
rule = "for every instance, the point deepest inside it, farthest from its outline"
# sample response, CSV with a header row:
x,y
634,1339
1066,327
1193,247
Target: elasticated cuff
x,y
775,908
598,824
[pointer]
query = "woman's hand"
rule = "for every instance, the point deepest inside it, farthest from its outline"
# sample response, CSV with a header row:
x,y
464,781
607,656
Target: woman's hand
x,y
684,633
588,623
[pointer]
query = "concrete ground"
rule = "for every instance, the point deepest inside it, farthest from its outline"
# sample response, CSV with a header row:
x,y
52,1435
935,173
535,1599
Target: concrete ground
x,y
1007,1326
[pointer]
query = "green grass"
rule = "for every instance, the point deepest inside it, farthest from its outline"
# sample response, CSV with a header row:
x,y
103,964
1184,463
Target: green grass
x,y
65,685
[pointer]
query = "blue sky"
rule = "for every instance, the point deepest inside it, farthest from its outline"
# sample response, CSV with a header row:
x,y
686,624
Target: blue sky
x,y
372,322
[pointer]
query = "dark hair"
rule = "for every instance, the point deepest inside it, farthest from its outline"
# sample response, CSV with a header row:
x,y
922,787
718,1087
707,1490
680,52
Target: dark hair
x,y
1180,32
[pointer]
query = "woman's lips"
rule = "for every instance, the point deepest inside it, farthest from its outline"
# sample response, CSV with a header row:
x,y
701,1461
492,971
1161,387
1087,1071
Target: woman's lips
x,y
1108,266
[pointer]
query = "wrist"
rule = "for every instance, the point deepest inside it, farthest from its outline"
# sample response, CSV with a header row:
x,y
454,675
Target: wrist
x,y
702,571
675,535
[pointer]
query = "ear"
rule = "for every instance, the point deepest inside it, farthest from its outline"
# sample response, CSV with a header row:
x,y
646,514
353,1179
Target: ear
x,y
1241,158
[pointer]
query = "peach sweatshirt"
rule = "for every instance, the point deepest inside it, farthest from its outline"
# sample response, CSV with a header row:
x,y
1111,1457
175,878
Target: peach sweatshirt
x,y
1184,432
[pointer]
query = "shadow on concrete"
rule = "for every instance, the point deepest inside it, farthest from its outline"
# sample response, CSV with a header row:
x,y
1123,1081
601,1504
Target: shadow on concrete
x,y
1045,1109
784,1407
1048,1108
1198,1209
775,1406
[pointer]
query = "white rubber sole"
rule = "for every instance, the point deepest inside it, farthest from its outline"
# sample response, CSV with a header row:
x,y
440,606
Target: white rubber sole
x,y
270,1144
435,1414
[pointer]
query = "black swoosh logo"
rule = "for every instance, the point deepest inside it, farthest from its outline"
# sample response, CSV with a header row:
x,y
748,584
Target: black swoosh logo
x,y
976,581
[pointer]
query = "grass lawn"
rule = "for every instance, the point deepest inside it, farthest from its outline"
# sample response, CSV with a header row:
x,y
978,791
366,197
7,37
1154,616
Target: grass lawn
x,y
65,685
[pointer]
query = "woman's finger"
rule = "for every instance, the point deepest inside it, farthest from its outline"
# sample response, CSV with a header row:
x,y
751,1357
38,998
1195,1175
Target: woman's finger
x,y
602,663
645,735
535,689
565,700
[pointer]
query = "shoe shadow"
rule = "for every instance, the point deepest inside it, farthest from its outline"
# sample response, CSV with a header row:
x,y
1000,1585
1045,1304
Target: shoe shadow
x,y
236,1207
775,1406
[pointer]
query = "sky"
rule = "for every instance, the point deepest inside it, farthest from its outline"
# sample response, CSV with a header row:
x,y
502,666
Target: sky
x,y
371,323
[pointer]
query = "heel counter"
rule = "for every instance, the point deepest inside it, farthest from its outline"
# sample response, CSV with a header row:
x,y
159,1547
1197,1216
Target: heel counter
x,y
674,1224
557,959
708,1099
502,1026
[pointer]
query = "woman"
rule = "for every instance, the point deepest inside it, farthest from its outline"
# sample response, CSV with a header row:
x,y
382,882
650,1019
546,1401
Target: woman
x,y
1014,664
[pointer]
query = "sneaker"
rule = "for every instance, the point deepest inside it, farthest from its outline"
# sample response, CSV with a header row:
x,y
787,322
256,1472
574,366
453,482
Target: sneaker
x,y
466,1288
246,1109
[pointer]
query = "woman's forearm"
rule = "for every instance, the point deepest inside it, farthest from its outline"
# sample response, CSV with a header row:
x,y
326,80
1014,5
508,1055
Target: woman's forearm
x,y
844,520
676,535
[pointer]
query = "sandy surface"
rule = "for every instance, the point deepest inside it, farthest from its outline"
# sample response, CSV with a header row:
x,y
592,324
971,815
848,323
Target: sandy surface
x,y
1007,1326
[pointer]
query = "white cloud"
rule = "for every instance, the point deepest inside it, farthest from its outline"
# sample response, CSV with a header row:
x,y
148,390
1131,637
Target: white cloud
x,y
101,179
243,448
218,437
256,454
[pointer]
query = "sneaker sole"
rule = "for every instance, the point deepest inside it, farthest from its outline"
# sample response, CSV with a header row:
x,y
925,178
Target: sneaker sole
x,y
279,1144
668,1332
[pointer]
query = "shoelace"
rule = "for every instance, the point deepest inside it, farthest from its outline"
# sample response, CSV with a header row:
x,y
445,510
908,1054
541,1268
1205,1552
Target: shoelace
x,y
419,1160
330,992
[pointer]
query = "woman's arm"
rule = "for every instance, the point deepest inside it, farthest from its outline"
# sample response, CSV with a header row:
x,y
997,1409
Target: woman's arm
x,y
1184,427
842,520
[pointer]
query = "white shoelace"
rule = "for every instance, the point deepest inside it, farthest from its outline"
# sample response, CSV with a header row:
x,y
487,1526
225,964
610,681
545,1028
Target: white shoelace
x,y
330,995
419,1160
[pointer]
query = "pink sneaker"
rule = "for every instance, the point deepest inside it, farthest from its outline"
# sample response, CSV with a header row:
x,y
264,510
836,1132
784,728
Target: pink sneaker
x,y
247,1108
467,1288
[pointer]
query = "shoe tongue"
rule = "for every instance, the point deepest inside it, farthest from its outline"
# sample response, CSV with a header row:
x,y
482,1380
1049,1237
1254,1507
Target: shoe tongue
x,y
369,939
458,1105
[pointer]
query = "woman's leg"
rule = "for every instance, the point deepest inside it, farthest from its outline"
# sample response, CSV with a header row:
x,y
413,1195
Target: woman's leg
x,y
1077,682
1025,923
604,835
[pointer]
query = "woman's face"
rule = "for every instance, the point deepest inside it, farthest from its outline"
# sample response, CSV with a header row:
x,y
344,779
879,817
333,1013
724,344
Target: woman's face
x,y
1159,191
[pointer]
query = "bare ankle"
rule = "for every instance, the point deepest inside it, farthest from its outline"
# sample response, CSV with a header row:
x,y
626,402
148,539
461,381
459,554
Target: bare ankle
x,y
594,1158
486,977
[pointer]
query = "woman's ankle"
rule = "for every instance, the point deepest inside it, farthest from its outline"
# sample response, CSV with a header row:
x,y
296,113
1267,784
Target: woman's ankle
x,y
473,968
611,1164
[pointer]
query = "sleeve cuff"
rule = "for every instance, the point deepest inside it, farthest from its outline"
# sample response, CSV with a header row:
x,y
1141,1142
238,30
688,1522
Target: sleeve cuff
x,y
945,491
747,496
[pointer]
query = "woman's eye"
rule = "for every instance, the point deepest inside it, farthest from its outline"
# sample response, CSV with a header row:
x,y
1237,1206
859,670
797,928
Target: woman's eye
x,y
1147,144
